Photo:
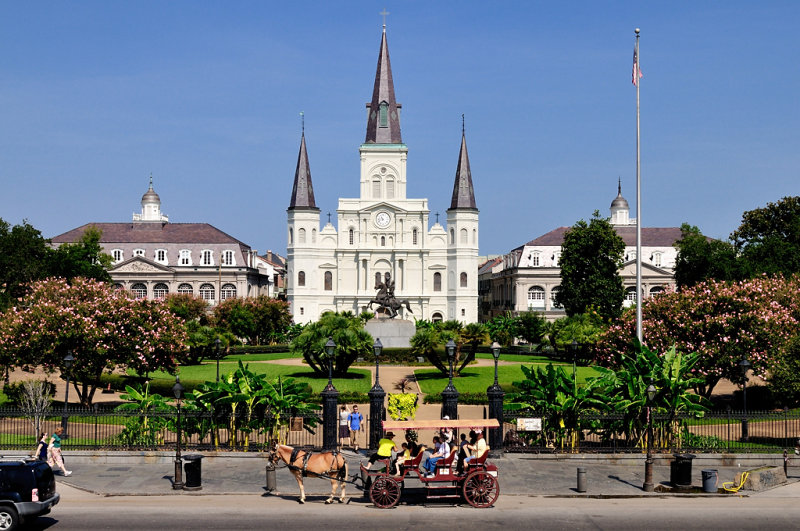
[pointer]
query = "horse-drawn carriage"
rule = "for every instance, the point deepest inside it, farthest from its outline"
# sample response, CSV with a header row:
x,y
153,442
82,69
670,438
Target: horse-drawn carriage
x,y
477,485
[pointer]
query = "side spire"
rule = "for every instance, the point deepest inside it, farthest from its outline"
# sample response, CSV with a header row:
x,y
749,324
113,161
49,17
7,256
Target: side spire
x,y
463,193
383,120
302,191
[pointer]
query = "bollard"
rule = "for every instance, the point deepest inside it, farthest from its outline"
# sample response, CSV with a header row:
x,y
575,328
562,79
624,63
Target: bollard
x,y
581,479
272,482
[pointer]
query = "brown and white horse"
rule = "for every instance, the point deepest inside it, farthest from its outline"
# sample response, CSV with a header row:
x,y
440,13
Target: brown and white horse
x,y
328,465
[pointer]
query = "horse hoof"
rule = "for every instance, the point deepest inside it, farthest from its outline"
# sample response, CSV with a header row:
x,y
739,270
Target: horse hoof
x,y
341,500
327,502
301,501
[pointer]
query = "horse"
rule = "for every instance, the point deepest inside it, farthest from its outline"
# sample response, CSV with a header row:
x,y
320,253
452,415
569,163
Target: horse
x,y
392,305
330,465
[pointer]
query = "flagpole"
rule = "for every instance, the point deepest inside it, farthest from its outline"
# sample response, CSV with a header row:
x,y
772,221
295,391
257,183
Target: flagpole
x,y
639,295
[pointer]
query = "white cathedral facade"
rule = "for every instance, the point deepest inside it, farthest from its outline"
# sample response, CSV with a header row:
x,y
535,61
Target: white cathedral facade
x,y
434,267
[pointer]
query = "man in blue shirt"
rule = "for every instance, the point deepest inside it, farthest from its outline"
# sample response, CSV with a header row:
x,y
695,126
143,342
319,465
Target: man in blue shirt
x,y
355,420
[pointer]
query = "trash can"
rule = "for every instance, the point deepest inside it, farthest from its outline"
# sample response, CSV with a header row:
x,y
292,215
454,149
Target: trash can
x,y
272,481
193,472
710,476
680,470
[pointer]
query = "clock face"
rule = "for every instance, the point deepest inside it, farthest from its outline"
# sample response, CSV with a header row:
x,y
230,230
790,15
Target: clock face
x,y
383,219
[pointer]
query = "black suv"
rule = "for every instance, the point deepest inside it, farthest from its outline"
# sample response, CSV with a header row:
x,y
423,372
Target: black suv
x,y
27,489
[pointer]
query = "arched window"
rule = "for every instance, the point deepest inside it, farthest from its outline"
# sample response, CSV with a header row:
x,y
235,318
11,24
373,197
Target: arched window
x,y
376,188
464,236
207,292
452,236
138,252
656,290
301,278
536,297
291,236
463,280
657,258
383,241
535,260
384,115
116,254
390,189
352,236
474,236
228,291
437,317
630,296
328,281
553,293
118,286
414,237
437,281
160,291
185,257
313,235
301,236
207,257
161,256
228,258
139,290
377,279
185,289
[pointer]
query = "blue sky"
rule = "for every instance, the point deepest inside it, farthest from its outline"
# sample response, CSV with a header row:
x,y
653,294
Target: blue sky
x,y
207,96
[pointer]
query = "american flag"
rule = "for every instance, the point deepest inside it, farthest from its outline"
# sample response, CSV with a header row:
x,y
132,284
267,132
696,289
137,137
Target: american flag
x,y
637,72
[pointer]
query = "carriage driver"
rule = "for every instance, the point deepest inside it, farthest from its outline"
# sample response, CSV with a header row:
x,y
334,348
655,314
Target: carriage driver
x,y
387,449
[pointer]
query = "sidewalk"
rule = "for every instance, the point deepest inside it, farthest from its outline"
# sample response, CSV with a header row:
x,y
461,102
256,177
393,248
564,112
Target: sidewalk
x,y
116,474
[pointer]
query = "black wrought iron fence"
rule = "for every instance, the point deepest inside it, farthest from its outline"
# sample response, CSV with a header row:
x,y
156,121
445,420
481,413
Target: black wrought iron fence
x,y
157,430
538,432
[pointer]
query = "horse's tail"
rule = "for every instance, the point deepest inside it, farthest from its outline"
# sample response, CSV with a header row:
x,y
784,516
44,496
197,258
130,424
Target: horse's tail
x,y
408,305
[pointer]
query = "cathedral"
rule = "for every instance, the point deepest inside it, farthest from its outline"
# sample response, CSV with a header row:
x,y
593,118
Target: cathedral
x,y
433,267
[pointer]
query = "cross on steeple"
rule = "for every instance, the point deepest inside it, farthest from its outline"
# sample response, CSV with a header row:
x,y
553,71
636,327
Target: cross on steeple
x,y
329,218
384,13
303,122
462,123
437,217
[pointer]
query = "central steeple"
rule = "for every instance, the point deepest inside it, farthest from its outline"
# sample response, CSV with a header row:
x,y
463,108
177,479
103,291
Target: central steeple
x,y
383,121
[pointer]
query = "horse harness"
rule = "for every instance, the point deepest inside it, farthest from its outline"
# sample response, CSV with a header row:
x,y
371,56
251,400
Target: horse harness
x,y
306,457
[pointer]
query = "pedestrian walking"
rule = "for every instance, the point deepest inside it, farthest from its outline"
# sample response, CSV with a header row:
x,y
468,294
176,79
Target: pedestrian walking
x,y
355,420
41,448
54,452
344,429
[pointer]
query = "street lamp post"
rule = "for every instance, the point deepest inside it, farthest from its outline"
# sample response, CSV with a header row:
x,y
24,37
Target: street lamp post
x,y
330,402
376,396
177,390
574,347
450,394
744,365
68,359
648,463
496,394
217,342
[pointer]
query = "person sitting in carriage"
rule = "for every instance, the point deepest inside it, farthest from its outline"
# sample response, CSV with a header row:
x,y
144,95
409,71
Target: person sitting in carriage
x,y
387,449
442,451
477,449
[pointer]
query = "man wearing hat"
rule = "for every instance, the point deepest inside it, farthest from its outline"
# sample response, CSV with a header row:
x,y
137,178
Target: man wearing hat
x,y
387,449
477,449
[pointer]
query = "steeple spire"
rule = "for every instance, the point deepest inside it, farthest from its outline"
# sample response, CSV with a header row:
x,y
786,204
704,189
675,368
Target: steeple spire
x,y
463,193
383,121
302,191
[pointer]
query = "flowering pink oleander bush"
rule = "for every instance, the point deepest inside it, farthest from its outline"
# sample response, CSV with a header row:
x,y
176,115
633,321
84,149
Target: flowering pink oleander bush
x,y
721,321
103,327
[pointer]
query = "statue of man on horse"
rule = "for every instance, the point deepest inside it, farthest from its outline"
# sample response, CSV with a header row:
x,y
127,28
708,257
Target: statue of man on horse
x,y
385,297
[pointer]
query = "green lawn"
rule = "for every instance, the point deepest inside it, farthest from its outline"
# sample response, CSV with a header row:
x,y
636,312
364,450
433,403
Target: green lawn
x,y
358,380
477,379
255,357
522,358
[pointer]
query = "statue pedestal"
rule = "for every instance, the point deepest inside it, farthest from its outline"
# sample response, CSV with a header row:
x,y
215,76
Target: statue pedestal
x,y
392,332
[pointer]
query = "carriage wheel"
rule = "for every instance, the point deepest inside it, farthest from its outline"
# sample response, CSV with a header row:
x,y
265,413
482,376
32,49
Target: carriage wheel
x,y
481,489
384,492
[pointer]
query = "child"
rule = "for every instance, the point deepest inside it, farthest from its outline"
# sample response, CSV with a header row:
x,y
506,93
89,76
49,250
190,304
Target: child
x,y
405,455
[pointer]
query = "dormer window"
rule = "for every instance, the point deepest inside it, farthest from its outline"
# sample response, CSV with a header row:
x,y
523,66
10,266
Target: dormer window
x,y
138,252
116,254
207,257
657,259
535,260
383,115
227,258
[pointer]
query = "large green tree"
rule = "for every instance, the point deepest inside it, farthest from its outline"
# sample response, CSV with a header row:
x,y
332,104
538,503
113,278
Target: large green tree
x,y
591,256
83,258
23,259
768,239
702,258
346,330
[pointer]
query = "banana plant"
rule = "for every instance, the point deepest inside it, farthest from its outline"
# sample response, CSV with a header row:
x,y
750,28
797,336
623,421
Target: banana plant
x,y
283,398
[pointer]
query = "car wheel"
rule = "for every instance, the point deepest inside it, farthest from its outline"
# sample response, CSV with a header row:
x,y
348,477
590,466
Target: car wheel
x,y
9,518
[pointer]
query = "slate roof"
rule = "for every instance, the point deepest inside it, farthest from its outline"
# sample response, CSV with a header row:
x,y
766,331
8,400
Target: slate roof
x,y
302,190
489,264
463,192
651,236
383,91
196,233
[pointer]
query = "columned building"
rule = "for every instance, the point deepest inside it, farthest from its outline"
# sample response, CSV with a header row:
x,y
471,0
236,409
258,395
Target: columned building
x,y
528,277
153,257
336,268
